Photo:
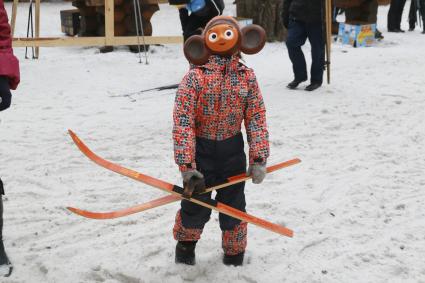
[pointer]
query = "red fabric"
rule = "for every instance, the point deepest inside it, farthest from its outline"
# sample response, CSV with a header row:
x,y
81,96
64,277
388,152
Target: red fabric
x,y
212,101
9,65
185,234
235,241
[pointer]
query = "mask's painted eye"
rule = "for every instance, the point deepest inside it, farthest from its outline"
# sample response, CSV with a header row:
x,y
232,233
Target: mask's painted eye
x,y
228,34
213,37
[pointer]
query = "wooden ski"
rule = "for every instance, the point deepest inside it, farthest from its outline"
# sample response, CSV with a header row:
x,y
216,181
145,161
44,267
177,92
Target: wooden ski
x,y
172,198
177,191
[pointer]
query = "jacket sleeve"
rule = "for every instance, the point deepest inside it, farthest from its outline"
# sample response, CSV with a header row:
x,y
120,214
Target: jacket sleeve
x,y
285,12
255,123
184,135
9,65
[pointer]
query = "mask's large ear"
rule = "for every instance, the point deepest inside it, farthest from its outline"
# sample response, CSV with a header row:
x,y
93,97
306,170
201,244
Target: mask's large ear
x,y
253,39
195,50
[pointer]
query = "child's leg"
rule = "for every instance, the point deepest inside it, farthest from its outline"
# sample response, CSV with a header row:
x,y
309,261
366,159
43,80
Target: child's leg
x,y
234,232
190,220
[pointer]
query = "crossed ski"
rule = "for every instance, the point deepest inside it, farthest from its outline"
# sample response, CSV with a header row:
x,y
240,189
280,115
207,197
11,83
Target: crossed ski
x,y
176,193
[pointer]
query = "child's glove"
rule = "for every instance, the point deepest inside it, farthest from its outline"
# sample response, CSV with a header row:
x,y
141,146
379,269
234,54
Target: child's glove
x,y
5,96
193,181
257,172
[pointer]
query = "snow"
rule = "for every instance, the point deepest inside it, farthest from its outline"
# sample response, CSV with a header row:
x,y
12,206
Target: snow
x,y
356,202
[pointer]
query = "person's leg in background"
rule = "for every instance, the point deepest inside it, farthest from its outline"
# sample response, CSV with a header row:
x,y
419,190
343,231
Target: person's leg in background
x,y
412,16
422,13
316,39
297,36
394,15
400,7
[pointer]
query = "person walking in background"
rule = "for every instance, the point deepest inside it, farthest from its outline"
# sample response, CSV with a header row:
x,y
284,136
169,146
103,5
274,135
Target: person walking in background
x,y
9,79
304,19
195,14
394,15
415,7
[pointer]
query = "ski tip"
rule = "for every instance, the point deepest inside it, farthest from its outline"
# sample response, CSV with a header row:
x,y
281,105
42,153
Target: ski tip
x,y
71,133
74,137
72,209
77,211
92,215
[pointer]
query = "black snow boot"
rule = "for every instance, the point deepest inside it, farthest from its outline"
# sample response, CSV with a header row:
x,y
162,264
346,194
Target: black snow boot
x,y
313,86
185,252
294,84
235,260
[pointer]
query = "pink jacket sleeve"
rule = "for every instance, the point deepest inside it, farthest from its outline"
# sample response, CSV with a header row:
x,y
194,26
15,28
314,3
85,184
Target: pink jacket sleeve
x,y
9,65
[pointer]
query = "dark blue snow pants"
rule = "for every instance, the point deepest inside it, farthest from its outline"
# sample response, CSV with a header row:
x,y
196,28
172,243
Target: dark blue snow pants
x,y
298,32
217,160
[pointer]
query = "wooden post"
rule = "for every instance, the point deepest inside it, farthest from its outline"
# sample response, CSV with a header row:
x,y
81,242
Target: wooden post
x,y
13,19
109,21
37,26
328,27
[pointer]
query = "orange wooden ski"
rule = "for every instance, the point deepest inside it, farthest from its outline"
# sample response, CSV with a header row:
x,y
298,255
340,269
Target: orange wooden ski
x,y
173,198
127,211
177,191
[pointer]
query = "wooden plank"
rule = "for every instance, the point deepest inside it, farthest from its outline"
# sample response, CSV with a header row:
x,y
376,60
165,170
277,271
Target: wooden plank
x,y
109,21
13,19
93,41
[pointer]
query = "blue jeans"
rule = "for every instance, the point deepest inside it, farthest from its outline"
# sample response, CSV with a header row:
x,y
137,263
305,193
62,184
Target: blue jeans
x,y
298,32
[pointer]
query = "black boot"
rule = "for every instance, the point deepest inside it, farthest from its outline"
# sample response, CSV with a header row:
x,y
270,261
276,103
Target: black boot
x,y
313,86
235,260
185,252
294,84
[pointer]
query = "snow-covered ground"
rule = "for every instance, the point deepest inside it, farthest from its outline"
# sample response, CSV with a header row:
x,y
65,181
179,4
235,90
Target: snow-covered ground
x,y
356,202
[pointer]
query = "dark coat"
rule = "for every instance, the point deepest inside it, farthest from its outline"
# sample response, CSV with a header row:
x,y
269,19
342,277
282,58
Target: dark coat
x,y
308,11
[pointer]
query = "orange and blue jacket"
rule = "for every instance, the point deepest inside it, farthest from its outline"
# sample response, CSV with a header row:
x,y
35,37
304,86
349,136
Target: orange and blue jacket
x,y
211,102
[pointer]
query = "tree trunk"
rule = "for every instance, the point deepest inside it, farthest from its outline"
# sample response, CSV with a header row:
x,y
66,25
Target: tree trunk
x,y
265,13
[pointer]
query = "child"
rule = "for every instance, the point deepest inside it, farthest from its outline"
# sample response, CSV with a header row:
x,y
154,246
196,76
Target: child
x,y
212,101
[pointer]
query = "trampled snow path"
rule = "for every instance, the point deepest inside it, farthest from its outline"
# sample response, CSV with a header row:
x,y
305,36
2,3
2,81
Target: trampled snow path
x,y
356,202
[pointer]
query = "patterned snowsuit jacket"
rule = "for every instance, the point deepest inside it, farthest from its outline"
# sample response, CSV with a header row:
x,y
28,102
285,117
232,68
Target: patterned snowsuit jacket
x,y
9,65
211,102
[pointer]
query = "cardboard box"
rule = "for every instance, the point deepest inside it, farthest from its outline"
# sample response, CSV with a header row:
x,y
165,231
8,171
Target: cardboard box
x,y
357,35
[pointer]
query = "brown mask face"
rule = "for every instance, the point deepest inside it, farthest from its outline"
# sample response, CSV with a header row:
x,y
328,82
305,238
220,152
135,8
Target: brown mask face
x,y
222,36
